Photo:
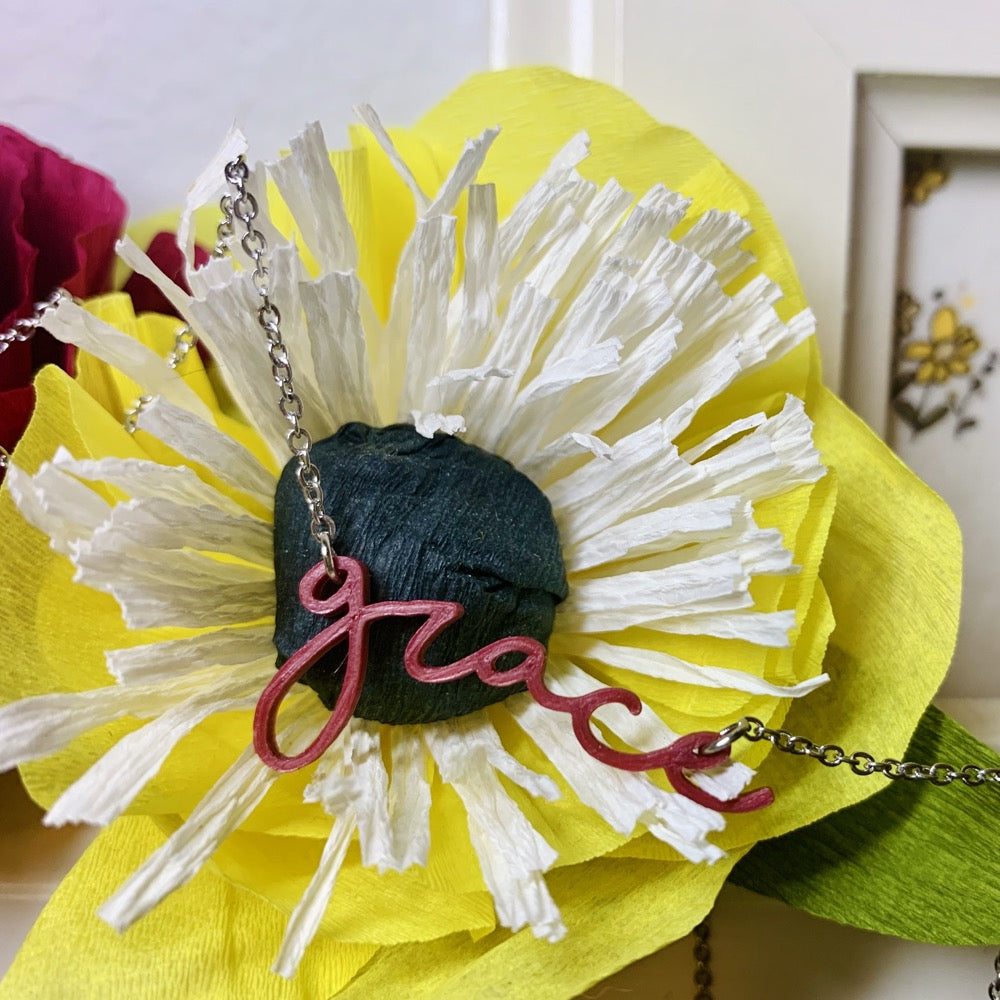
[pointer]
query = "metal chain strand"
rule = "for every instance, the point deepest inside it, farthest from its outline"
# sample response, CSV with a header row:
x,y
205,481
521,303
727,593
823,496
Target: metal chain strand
x,y
184,340
831,755
226,229
702,962
242,206
21,332
24,329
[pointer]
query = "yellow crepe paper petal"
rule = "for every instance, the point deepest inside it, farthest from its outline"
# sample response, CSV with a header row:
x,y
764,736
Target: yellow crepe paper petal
x,y
540,109
896,613
367,907
54,613
616,912
205,943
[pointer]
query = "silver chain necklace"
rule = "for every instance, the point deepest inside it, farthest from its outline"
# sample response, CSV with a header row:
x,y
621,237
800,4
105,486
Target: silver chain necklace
x,y
21,332
243,206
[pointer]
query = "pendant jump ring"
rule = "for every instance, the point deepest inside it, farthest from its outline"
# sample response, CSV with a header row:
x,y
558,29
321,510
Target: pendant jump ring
x,y
329,558
726,738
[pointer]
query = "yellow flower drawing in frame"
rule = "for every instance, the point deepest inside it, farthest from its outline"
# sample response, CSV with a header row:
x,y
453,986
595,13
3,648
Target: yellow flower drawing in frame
x,y
948,350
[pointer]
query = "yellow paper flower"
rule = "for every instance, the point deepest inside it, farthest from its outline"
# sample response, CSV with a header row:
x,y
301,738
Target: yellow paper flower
x,y
640,364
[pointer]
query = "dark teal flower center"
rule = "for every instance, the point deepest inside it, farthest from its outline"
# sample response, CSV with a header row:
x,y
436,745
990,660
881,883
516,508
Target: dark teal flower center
x,y
431,518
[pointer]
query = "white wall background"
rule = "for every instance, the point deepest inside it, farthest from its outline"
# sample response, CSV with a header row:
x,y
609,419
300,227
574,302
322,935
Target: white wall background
x,y
144,90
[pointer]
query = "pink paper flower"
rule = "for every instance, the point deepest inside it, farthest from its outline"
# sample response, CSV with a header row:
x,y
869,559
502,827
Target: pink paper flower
x,y
58,225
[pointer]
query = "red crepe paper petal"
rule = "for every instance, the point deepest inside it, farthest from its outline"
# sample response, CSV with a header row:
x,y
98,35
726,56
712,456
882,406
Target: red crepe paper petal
x,y
59,222
167,256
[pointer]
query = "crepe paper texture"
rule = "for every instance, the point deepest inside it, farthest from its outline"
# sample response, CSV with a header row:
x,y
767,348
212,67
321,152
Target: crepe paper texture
x,y
915,860
653,376
167,256
58,225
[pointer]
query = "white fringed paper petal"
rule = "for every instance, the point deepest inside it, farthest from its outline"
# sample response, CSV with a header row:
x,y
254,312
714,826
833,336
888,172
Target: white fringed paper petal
x,y
333,303
308,914
543,466
351,783
43,724
309,185
663,530
409,798
228,317
647,732
623,799
511,852
165,587
773,458
226,805
202,442
618,602
420,304
207,188
56,504
163,524
158,661
74,325
367,114
478,301
429,424
142,264
145,479
639,472
671,668
351,778
716,236
288,273
108,787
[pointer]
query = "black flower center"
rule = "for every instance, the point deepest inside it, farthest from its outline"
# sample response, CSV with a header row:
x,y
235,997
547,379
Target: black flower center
x,y
431,518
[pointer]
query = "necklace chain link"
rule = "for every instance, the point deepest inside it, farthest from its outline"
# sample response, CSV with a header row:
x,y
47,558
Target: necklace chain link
x,y
831,755
184,340
26,327
860,762
242,206
21,332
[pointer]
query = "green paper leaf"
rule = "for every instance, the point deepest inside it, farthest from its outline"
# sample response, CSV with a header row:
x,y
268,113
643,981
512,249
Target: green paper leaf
x,y
915,860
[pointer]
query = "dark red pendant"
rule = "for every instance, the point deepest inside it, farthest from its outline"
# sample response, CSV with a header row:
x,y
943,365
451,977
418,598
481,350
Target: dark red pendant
x,y
348,601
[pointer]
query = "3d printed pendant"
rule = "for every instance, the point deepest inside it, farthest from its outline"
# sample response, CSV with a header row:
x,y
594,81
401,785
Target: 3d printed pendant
x,y
349,600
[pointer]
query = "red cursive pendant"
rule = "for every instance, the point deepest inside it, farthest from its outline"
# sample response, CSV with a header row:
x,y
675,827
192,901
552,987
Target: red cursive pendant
x,y
350,598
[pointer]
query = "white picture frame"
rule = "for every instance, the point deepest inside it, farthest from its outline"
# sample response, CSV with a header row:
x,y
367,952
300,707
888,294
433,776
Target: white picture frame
x,y
896,113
